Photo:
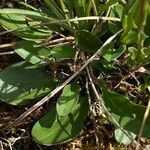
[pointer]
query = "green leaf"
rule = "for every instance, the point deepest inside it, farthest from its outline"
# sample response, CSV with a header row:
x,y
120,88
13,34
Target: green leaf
x,y
116,11
132,51
108,51
31,16
53,129
118,52
63,52
146,28
128,114
80,7
111,54
9,11
53,6
107,67
114,26
21,82
122,138
146,83
58,12
102,8
34,55
26,5
87,42
134,21
88,8
22,28
70,6
130,15
129,37
144,56
68,99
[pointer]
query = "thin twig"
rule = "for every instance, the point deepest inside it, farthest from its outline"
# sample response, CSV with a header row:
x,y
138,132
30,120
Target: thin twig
x,y
51,37
143,70
51,94
94,8
95,18
63,21
143,124
74,68
60,44
92,115
131,74
7,45
7,53
9,143
98,26
56,41
1,145
64,10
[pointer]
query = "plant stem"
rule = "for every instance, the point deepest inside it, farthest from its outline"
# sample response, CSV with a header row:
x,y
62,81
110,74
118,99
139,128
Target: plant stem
x,y
7,45
64,10
143,124
92,115
63,21
94,8
143,8
88,8
7,53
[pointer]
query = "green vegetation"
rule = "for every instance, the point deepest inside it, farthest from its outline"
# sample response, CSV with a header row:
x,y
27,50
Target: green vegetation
x,y
85,49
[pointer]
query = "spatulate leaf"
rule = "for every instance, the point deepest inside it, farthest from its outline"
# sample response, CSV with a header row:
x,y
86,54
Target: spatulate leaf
x,y
53,129
21,27
22,81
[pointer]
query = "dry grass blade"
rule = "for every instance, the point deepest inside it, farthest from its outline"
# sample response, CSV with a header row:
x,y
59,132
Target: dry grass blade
x,y
55,91
63,21
1,145
94,8
7,53
143,124
57,41
7,45
92,115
